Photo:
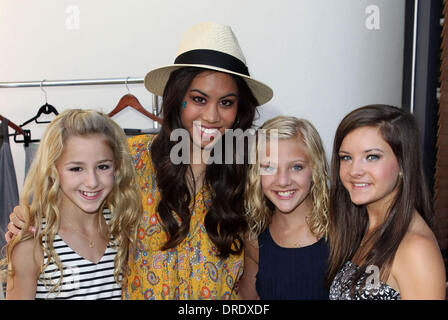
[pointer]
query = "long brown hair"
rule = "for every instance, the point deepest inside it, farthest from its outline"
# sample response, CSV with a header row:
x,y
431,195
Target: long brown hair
x,y
348,222
224,222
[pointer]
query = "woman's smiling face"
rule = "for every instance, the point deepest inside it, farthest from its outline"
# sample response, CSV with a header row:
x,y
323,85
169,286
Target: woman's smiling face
x,y
286,177
369,169
209,107
86,173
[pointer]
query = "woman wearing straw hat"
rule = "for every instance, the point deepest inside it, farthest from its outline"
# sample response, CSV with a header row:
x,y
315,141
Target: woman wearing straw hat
x,y
190,239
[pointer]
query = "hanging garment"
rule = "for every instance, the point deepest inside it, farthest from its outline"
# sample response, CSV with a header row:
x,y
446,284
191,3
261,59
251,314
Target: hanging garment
x,y
1,134
9,193
30,152
136,132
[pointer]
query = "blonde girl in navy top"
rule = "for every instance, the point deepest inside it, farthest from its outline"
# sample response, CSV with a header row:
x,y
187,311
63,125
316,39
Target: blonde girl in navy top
x,y
287,209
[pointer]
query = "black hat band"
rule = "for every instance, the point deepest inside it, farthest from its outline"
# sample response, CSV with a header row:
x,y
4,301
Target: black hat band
x,y
213,58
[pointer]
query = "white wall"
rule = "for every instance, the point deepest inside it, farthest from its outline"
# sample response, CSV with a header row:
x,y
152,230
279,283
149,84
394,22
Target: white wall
x,y
318,55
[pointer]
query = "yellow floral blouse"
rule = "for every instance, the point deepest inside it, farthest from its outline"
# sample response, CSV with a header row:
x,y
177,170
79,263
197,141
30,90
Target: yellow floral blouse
x,y
189,271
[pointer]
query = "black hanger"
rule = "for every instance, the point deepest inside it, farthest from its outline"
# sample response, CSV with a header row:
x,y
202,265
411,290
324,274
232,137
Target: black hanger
x,y
20,131
26,137
45,109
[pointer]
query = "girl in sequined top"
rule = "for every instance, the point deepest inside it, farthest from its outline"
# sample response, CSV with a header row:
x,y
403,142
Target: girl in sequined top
x,y
381,244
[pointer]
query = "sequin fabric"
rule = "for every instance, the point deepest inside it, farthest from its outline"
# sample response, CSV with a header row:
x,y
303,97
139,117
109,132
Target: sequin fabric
x,y
340,288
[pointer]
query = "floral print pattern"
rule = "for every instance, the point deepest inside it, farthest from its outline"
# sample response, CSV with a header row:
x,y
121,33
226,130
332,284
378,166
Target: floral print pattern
x,y
191,270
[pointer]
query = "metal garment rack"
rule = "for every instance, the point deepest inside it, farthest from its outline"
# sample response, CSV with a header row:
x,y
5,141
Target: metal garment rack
x,y
63,83
82,82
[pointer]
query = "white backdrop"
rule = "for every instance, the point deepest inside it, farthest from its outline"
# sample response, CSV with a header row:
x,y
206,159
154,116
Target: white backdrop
x,y
322,58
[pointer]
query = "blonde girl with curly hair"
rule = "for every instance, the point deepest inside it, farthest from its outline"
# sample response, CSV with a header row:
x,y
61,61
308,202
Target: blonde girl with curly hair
x,y
81,198
286,201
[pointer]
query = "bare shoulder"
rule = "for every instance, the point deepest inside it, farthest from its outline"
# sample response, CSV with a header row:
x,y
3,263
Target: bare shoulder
x,y
417,247
27,259
418,265
26,255
418,243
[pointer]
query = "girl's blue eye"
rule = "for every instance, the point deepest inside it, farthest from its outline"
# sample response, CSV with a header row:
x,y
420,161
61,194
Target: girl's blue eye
x,y
297,167
373,157
267,169
344,158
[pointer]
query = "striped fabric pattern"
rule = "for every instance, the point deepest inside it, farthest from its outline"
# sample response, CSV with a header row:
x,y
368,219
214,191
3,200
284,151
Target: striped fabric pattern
x,y
82,279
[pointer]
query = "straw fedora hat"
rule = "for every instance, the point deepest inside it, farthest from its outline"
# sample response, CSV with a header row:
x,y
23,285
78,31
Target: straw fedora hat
x,y
210,46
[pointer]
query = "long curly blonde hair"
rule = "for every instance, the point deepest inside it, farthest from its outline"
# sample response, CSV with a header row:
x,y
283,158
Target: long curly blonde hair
x,y
258,210
41,193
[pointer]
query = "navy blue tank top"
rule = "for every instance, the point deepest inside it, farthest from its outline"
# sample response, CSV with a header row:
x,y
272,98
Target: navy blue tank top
x,y
291,273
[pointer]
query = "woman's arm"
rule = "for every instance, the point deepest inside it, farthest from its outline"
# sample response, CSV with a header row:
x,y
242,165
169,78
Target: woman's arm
x,y
247,289
26,260
419,269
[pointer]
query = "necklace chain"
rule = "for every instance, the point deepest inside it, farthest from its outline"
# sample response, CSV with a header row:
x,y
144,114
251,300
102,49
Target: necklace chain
x,y
91,242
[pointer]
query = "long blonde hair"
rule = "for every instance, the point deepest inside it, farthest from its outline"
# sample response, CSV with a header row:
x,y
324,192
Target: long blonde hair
x,y
41,192
258,210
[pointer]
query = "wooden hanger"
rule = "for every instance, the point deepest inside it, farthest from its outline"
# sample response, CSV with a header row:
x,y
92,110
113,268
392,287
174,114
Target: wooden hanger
x,y
129,100
13,125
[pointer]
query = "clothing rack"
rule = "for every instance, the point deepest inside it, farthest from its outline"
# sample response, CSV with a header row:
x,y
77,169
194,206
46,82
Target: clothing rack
x,y
83,82
62,83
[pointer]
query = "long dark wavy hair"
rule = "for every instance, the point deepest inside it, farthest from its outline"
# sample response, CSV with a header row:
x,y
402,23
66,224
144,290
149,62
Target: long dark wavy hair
x,y
225,222
348,222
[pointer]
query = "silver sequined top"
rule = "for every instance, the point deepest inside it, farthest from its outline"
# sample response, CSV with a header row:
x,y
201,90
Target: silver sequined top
x,y
340,288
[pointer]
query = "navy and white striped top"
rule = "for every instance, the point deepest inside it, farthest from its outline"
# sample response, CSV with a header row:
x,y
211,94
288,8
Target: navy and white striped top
x,y
82,279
